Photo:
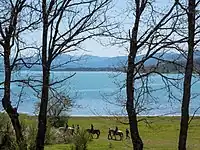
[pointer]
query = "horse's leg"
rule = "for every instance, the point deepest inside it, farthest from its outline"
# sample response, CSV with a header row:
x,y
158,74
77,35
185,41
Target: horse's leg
x,y
97,135
122,136
92,135
109,136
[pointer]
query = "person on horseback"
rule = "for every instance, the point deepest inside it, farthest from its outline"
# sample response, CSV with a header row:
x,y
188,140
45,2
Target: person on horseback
x,y
92,127
78,128
116,130
66,126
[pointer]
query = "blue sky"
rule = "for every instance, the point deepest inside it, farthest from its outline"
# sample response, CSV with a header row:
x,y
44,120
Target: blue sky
x,y
94,48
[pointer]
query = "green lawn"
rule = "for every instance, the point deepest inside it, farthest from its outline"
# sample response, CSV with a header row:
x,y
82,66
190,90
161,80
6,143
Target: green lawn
x,y
160,134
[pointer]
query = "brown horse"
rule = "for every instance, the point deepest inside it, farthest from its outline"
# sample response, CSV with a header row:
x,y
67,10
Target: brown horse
x,y
94,131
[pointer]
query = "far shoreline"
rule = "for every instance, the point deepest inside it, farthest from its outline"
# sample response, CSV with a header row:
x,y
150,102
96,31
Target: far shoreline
x,y
110,116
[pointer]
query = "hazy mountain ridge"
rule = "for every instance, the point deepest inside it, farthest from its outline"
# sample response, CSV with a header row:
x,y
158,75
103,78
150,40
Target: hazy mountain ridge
x,y
89,61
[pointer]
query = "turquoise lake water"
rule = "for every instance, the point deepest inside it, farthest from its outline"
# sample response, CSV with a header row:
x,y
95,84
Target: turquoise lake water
x,y
98,93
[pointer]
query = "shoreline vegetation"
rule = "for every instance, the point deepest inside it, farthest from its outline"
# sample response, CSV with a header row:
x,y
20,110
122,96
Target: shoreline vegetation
x,y
172,69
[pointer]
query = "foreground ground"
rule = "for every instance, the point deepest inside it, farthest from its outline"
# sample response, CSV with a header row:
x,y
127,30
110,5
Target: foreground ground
x,y
160,133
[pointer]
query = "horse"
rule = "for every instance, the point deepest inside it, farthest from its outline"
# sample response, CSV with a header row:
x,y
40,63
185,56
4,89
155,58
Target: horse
x,y
70,130
66,129
112,132
94,131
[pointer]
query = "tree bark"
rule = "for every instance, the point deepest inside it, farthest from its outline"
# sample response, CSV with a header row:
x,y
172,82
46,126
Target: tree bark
x,y
131,108
42,119
12,112
132,115
187,78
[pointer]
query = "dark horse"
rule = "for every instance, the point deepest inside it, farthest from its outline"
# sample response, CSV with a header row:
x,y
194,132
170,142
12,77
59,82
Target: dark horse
x,y
112,132
94,131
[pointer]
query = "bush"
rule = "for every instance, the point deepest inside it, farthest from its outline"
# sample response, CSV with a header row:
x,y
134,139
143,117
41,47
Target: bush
x,y
50,137
7,142
81,140
31,137
7,138
4,121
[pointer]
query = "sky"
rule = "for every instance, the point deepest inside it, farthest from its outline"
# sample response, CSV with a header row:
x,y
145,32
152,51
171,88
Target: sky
x,y
94,48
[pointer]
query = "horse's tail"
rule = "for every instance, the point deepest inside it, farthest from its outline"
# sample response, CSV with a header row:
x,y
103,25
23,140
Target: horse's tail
x,y
99,132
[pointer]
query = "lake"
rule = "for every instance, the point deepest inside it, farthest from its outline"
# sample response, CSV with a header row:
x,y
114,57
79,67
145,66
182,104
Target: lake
x,y
101,93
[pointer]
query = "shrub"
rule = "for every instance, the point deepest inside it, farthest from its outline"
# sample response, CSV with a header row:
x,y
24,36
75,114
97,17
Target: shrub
x,y
50,137
7,141
81,140
31,136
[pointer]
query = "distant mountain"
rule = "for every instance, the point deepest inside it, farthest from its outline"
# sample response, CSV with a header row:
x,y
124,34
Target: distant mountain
x,y
88,61
68,62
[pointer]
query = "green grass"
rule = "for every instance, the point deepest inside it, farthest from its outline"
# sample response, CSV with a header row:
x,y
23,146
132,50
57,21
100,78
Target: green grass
x,y
160,134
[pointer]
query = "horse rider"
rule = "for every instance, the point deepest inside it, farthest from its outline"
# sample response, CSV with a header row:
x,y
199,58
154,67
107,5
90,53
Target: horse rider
x,y
116,130
127,133
92,127
73,128
66,126
78,128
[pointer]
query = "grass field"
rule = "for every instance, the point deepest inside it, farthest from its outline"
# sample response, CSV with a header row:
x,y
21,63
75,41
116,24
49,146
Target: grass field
x,y
160,134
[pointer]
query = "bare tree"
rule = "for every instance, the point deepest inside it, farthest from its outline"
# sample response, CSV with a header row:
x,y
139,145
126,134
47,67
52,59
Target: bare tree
x,y
59,105
65,25
11,27
153,40
192,42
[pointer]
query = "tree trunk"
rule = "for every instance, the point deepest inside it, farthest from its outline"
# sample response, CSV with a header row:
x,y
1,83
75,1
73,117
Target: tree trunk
x,y
12,112
130,104
187,78
136,140
42,118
